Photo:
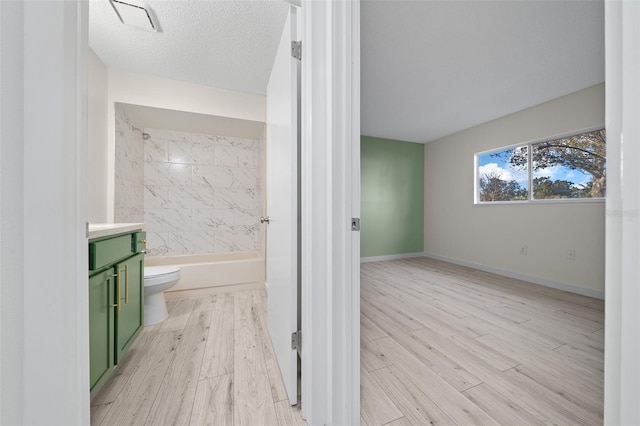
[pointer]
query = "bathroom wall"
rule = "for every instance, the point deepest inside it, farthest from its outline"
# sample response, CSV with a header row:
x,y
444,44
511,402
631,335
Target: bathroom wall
x,y
97,146
129,170
153,91
202,193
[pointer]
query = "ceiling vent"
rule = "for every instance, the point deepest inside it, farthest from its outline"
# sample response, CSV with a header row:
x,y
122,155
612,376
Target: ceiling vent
x,y
135,14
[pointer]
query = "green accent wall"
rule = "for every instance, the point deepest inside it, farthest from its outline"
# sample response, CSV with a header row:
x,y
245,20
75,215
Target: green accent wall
x,y
392,197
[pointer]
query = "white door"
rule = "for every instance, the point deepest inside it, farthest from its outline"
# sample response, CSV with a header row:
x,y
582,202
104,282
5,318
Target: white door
x,y
282,206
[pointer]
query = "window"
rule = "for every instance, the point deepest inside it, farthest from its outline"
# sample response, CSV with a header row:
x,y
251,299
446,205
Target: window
x,y
502,180
566,168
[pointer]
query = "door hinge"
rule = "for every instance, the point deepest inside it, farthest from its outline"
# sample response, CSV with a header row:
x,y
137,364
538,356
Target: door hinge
x,y
296,50
355,224
296,340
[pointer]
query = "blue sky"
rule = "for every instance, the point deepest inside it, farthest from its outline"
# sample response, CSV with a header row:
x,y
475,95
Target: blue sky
x,y
489,164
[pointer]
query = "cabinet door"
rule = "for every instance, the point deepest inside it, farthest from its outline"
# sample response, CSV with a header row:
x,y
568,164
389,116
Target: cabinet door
x,y
130,290
101,326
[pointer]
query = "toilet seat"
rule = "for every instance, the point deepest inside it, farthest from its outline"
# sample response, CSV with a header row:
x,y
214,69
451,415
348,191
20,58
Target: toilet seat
x,y
155,275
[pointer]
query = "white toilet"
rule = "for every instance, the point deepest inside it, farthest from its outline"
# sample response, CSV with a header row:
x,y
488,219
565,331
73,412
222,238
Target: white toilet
x,y
157,280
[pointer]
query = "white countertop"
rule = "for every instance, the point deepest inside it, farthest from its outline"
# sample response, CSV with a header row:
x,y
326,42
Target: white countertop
x,y
97,230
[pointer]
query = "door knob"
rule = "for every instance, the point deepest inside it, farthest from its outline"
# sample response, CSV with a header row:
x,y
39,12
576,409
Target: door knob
x,y
264,219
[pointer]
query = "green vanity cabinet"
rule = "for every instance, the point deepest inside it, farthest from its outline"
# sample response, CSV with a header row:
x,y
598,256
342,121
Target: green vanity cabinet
x,y
130,318
101,326
116,301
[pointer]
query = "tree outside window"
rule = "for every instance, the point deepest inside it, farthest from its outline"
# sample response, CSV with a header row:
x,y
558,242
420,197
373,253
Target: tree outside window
x,y
572,167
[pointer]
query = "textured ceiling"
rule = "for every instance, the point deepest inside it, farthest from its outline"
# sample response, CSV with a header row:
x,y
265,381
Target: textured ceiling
x,y
428,68
432,68
226,44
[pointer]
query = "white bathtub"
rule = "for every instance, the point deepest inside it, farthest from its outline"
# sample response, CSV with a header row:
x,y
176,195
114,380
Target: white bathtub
x,y
203,271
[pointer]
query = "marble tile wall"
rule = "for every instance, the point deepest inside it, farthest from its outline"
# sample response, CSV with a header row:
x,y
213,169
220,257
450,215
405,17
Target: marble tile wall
x,y
129,170
202,193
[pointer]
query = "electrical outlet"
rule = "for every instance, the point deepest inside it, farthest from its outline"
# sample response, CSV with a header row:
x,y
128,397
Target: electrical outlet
x,y
571,254
523,249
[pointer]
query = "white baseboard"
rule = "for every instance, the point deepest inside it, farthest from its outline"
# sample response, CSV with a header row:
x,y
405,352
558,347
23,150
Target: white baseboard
x,y
390,257
535,280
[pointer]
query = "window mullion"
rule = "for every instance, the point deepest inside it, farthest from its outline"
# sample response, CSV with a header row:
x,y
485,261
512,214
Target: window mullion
x,y
530,169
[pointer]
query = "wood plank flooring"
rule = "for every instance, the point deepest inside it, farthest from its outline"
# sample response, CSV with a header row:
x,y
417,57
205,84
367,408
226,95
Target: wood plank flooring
x,y
440,344
210,363
443,344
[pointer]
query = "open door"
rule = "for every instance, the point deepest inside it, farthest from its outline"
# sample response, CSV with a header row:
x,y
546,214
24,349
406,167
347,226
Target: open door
x,y
282,206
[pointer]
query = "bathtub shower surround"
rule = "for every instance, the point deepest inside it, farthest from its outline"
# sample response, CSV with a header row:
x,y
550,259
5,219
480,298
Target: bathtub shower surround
x,y
129,174
202,193
214,269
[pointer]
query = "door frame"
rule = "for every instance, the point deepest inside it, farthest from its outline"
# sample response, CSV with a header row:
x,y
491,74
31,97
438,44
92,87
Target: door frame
x,y
322,100
44,288
622,295
330,168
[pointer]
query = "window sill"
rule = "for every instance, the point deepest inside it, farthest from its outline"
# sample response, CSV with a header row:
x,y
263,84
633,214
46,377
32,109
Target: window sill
x,y
552,201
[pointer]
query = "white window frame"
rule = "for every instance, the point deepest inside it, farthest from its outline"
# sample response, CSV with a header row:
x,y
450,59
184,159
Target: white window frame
x,y
530,199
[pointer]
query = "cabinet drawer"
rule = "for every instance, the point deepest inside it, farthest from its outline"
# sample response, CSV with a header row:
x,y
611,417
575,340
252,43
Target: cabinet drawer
x,y
139,241
105,252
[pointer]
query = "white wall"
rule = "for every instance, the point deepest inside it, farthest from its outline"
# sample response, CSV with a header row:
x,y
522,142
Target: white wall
x,y
158,92
97,151
489,236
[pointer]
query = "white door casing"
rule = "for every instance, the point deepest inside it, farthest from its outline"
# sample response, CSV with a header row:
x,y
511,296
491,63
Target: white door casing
x,y
49,305
330,168
622,294
282,206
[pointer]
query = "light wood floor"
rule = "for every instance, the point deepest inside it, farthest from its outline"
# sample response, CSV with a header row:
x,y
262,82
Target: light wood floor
x,y
443,344
210,363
